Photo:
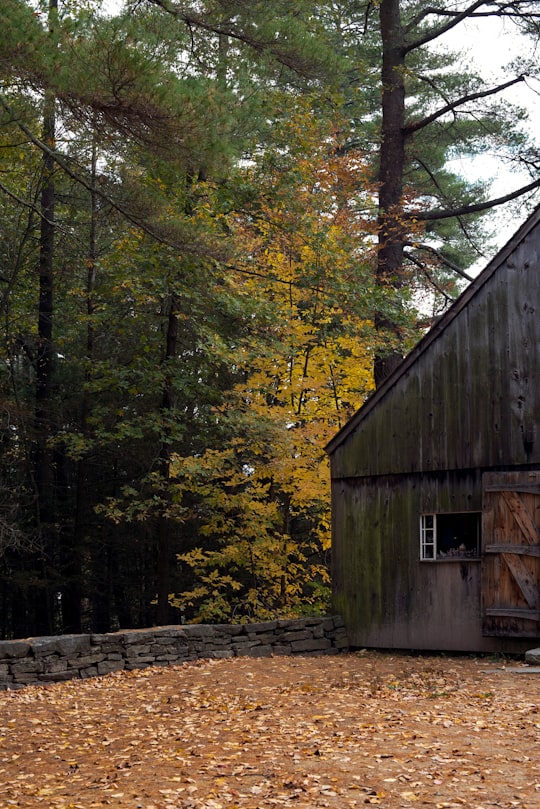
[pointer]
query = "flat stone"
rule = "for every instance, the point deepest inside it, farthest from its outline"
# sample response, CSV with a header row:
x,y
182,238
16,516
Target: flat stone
x,y
165,640
253,651
200,630
264,626
137,636
531,670
283,623
54,665
514,670
169,632
108,666
109,648
294,635
135,650
68,645
58,676
532,656
27,666
313,645
230,629
262,637
14,648
85,662
91,671
73,645
98,639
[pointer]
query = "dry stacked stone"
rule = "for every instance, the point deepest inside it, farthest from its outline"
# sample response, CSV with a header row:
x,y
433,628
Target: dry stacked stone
x,y
65,657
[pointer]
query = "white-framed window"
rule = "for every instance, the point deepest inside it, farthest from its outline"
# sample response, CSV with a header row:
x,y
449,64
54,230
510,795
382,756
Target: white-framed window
x,y
450,536
428,536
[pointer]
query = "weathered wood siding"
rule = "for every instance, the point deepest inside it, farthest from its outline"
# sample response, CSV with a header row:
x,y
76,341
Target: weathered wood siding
x,y
471,400
390,599
511,554
466,400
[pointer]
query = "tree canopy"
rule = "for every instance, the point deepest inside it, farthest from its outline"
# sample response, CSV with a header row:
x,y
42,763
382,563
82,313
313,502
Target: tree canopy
x,y
218,220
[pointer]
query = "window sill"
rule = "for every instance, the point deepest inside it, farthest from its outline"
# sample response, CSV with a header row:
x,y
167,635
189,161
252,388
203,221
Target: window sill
x,y
453,559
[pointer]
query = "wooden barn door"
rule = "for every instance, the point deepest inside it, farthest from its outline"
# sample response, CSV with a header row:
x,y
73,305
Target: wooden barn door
x,y
511,554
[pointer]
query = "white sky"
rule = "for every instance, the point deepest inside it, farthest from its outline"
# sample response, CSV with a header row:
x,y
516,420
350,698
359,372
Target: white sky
x,y
491,45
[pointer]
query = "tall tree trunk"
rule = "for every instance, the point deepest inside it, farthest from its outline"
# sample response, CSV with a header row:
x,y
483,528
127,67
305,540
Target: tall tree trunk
x,y
391,167
43,414
73,545
164,521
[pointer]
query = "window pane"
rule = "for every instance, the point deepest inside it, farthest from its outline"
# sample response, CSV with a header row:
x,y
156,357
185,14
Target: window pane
x,y
427,536
428,552
458,535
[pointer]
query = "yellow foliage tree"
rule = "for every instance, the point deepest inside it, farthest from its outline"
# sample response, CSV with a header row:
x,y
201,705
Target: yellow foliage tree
x,y
263,500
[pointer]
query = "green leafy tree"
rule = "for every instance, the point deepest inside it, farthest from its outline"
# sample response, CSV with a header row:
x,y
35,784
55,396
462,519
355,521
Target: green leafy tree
x,y
164,97
192,291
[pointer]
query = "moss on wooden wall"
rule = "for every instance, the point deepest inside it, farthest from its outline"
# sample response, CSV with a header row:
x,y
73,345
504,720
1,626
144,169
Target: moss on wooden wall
x,y
470,400
466,400
387,596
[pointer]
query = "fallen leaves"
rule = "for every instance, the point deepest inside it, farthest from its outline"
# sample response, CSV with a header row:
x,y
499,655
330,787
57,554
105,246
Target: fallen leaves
x,y
353,731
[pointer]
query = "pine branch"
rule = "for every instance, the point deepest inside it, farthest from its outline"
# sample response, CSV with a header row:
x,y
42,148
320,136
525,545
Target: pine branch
x,y
89,186
25,203
287,56
455,19
509,10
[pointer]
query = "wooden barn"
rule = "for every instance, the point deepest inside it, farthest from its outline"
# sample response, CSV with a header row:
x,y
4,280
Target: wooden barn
x,y
436,479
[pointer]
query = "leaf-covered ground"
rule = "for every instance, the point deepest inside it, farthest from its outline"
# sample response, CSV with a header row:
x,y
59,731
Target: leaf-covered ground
x,y
347,731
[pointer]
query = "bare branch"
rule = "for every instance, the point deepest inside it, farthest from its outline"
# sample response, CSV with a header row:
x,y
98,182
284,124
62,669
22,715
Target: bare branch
x,y
450,264
421,266
451,106
432,11
431,216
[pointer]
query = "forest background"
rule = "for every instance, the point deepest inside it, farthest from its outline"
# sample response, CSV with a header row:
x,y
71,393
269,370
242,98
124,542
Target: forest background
x,y
222,224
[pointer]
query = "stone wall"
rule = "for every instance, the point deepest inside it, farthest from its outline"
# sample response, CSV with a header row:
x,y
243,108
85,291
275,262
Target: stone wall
x,y
64,657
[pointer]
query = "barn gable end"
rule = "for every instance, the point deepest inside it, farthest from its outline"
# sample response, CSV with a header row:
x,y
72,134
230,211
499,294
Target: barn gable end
x,y
410,468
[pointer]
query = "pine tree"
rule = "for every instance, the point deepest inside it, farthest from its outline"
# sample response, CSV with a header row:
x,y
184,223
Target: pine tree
x,y
420,107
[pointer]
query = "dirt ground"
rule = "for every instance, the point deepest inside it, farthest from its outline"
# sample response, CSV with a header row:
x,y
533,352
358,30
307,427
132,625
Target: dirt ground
x,y
346,731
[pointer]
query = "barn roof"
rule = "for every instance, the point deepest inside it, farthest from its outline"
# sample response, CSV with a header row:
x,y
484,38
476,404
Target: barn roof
x,y
433,334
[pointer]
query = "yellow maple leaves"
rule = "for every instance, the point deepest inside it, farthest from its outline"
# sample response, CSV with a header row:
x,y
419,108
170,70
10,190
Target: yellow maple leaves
x,y
305,255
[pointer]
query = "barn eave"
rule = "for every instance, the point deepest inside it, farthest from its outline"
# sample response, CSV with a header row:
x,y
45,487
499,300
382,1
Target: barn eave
x,y
434,333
